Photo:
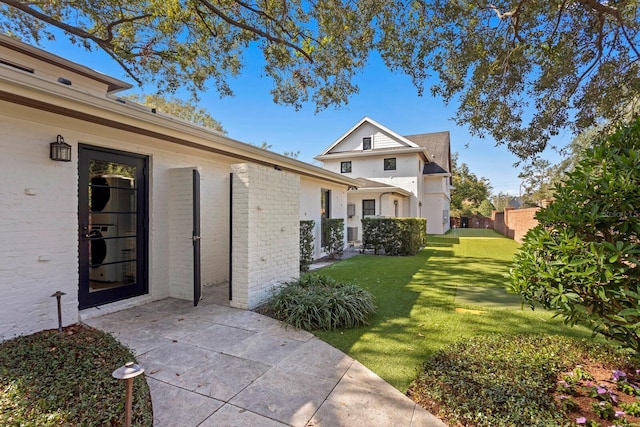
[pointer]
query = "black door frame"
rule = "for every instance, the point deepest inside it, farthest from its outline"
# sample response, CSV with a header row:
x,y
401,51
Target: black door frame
x,y
88,299
197,274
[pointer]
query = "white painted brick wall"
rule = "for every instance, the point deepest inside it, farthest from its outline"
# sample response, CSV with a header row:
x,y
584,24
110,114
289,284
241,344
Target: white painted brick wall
x,y
39,235
38,232
266,232
180,232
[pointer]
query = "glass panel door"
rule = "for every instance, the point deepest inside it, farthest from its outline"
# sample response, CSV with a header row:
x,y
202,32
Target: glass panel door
x,y
113,241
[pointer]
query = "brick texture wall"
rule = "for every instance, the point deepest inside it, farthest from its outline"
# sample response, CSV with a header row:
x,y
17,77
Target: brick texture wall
x,y
514,223
266,229
180,233
38,230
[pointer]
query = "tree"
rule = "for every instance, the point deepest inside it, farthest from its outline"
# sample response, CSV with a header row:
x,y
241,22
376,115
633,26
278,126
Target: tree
x,y
537,182
486,208
520,70
502,200
582,259
469,190
540,177
293,154
179,108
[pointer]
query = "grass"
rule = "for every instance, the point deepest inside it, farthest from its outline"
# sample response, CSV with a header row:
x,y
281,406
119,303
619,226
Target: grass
x,y
451,291
64,379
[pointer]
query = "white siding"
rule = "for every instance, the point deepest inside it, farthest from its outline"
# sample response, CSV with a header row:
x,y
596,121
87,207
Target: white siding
x,y
310,206
379,140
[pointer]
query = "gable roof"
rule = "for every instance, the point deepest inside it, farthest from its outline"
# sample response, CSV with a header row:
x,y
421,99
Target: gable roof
x,y
438,144
372,122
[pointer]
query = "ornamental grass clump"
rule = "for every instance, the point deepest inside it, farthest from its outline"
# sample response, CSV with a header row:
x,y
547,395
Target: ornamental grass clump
x,y
320,302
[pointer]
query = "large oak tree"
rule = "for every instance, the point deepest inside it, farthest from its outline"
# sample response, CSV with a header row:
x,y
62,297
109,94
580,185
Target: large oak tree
x,y
520,70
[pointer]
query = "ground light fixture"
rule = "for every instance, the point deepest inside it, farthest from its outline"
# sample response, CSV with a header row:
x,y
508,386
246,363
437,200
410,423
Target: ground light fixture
x,y
128,372
59,150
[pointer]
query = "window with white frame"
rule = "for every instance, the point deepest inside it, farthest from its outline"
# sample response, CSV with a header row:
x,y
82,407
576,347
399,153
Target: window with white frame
x,y
366,143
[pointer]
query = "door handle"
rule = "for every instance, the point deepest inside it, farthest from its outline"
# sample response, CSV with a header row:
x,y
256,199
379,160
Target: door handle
x,y
195,238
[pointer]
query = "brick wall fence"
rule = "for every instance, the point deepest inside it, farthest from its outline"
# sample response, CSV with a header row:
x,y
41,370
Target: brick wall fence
x,y
471,221
514,223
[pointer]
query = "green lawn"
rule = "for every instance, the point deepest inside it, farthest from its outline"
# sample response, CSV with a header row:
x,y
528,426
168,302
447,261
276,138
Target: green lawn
x,y
452,290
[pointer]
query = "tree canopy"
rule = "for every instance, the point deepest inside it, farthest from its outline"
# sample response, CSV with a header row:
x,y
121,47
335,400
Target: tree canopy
x,y
469,191
521,71
179,108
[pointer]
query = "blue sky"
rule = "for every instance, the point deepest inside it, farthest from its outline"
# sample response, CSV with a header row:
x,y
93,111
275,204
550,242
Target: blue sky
x,y
251,116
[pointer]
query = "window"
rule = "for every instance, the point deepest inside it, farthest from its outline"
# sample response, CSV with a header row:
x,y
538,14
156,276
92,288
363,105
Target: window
x,y
325,212
366,143
368,207
345,167
390,164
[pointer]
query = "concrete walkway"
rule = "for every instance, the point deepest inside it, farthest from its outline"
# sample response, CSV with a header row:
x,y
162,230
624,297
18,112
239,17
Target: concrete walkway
x,y
214,365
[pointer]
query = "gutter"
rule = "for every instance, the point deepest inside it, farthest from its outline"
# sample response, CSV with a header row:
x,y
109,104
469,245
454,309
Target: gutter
x,y
90,108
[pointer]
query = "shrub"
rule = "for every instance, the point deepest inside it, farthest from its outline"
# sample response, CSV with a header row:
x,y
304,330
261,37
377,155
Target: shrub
x,y
397,236
334,237
502,380
306,244
582,258
319,302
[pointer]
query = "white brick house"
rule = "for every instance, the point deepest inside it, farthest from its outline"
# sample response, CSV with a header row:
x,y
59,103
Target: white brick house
x,y
142,199
398,175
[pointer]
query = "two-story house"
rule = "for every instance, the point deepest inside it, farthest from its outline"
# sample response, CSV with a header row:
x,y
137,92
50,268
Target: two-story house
x,y
399,176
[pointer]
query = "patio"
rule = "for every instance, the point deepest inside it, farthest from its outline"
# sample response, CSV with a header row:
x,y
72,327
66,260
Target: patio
x,y
216,365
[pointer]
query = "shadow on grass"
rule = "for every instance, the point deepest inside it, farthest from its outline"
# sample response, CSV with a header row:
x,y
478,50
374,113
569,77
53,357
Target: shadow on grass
x,y
417,298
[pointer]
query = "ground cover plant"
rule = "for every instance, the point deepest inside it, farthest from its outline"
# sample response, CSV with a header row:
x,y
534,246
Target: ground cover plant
x,y
507,380
64,378
320,302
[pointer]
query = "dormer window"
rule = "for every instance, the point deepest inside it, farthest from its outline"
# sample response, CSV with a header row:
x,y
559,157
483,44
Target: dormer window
x,y
366,143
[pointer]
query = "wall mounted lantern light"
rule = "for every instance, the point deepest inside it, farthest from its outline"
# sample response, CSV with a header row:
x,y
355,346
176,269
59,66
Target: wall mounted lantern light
x,y
60,151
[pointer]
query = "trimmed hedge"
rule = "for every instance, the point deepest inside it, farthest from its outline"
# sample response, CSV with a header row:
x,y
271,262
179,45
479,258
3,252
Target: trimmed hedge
x,y
396,236
306,244
334,237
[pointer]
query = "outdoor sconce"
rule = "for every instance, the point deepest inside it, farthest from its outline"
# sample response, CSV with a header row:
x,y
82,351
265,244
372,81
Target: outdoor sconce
x,y
395,202
60,151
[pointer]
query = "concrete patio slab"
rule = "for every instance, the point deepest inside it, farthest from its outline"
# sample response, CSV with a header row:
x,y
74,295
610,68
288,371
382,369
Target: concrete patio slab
x,y
213,365
233,416
174,406
287,397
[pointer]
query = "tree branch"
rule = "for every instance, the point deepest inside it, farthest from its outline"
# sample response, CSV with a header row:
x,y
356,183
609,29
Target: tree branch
x,y
253,29
104,44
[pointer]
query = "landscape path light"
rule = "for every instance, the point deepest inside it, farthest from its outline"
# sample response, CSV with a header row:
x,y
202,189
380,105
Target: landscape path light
x,y
128,372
